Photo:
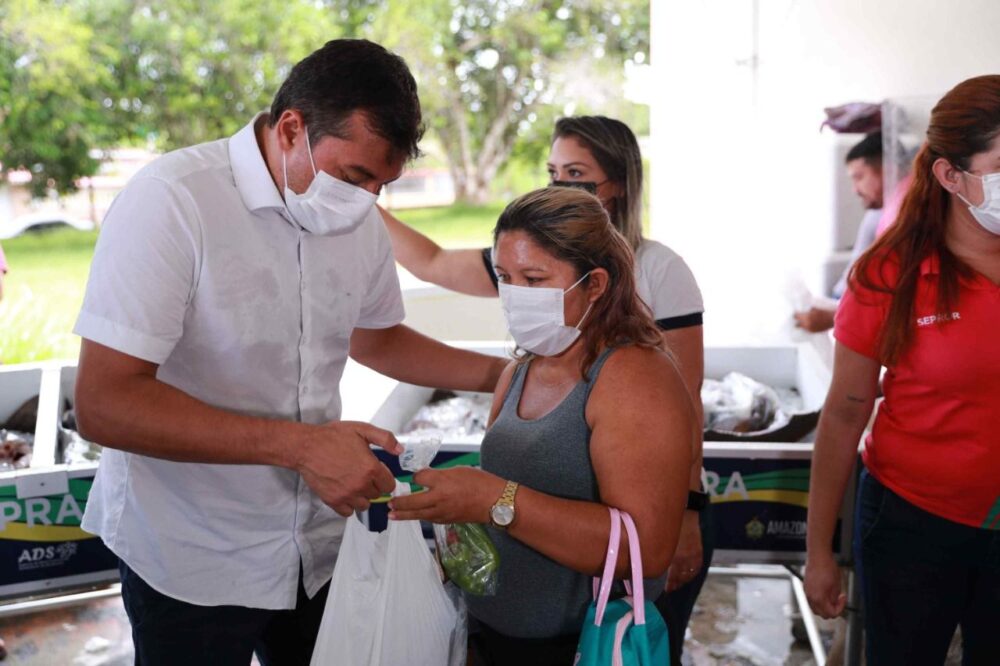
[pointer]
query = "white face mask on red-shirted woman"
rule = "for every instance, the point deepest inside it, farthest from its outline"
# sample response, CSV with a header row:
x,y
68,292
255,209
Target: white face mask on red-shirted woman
x,y
535,318
987,214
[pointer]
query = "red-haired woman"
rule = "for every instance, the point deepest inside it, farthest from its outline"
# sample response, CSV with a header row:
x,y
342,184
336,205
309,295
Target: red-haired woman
x,y
924,302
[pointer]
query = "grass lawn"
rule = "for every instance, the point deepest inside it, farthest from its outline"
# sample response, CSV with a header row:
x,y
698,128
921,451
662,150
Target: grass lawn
x,y
43,291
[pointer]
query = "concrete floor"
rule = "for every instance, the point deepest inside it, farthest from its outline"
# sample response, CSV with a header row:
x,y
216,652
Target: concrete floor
x,y
736,622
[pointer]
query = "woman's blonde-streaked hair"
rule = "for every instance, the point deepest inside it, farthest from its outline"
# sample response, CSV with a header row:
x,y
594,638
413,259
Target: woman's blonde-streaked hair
x,y
616,150
573,227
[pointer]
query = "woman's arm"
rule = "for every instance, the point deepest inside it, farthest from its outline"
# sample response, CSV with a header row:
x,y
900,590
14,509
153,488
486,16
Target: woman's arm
x,y
459,270
688,347
641,441
641,452
846,411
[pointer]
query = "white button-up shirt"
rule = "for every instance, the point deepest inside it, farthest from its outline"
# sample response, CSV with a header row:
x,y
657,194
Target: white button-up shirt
x,y
200,269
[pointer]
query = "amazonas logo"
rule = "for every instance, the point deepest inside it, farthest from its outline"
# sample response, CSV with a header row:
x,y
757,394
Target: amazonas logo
x,y
756,529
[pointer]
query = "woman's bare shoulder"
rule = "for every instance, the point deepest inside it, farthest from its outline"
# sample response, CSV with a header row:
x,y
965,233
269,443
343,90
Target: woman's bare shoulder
x,y
642,373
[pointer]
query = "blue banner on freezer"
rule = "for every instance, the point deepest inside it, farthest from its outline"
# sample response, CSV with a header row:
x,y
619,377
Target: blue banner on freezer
x,y
41,540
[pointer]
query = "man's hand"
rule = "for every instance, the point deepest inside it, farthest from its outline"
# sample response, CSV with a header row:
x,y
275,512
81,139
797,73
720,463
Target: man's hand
x,y
687,560
815,320
823,589
339,466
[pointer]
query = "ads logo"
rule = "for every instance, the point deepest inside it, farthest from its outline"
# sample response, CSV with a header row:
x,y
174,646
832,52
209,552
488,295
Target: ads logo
x,y
755,529
47,556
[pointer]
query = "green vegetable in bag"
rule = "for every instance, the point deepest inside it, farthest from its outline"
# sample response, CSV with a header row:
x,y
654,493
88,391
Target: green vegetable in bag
x,y
468,557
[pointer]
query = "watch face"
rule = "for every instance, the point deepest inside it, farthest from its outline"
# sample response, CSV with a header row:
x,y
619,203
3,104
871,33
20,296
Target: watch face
x,y
502,514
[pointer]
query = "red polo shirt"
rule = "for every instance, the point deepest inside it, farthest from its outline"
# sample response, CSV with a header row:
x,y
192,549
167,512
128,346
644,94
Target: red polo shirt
x,y
936,439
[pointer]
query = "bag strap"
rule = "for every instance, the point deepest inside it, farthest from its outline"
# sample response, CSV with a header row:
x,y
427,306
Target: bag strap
x,y
638,592
602,585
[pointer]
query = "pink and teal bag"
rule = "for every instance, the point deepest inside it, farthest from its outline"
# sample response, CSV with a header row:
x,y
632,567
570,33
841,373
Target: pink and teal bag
x,y
627,631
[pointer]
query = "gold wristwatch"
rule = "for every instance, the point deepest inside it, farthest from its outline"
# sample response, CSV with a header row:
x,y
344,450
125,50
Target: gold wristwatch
x,y
502,513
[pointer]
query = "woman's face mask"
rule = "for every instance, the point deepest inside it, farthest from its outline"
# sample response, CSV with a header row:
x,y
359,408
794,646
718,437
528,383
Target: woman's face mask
x,y
535,317
328,207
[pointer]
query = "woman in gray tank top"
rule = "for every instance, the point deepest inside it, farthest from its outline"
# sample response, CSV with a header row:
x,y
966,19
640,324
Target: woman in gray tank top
x,y
592,413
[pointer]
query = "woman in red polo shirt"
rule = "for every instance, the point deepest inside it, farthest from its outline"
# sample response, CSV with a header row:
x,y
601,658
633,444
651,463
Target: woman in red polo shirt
x,y
924,302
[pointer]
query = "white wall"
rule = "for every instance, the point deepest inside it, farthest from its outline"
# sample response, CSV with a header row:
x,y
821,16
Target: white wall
x,y
743,184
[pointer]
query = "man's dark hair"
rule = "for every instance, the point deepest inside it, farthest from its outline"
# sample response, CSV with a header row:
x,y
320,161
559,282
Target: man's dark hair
x,y
868,149
348,75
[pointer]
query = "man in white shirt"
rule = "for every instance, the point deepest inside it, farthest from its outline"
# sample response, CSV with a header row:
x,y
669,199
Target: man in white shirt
x,y
864,168
230,282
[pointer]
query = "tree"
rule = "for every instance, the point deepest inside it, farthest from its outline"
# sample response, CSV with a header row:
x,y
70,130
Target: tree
x,y
79,77
189,71
92,74
50,111
485,67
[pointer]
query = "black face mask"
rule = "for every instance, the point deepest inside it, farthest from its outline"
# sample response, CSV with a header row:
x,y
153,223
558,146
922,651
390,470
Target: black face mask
x,y
586,186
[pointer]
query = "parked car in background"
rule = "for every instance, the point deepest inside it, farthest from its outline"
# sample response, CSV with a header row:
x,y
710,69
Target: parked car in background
x,y
37,221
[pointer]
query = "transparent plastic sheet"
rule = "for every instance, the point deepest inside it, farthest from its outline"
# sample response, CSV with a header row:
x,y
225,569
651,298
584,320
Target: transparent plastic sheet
x,y
468,557
419,449
15,450
465,551
904,129
452,415
738,403
76,449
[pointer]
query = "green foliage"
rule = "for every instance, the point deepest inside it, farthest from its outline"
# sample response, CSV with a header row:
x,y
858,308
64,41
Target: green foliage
x,y
493,74
50,113
89,75
460,225
485,68
188,71
42,294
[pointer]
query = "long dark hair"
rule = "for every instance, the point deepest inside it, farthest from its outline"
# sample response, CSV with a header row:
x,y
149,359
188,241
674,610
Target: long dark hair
x,y
573,226
963,123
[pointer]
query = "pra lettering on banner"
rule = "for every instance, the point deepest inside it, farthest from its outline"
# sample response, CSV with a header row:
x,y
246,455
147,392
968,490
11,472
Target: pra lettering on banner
x,y
735,487
36,511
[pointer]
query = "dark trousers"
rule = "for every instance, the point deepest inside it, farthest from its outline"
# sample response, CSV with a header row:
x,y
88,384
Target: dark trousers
x,y
676,607
490,648
921,577
167,631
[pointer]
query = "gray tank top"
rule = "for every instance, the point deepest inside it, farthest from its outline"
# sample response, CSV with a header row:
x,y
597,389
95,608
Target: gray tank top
x,y
536,596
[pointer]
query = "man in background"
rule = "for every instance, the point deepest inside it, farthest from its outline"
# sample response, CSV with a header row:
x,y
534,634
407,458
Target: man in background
x,y
864,167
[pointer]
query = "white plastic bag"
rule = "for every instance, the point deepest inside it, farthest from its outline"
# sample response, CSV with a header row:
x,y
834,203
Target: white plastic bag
x,y
387,605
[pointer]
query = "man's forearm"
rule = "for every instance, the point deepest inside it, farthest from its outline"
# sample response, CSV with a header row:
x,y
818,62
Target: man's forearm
x,y
144,415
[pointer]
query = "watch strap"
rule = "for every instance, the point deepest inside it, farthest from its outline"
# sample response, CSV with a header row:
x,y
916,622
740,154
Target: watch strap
x,y
697,501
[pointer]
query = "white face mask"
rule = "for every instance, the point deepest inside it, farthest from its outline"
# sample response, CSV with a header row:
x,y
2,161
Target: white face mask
x,y
328,207
987,214
535,318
